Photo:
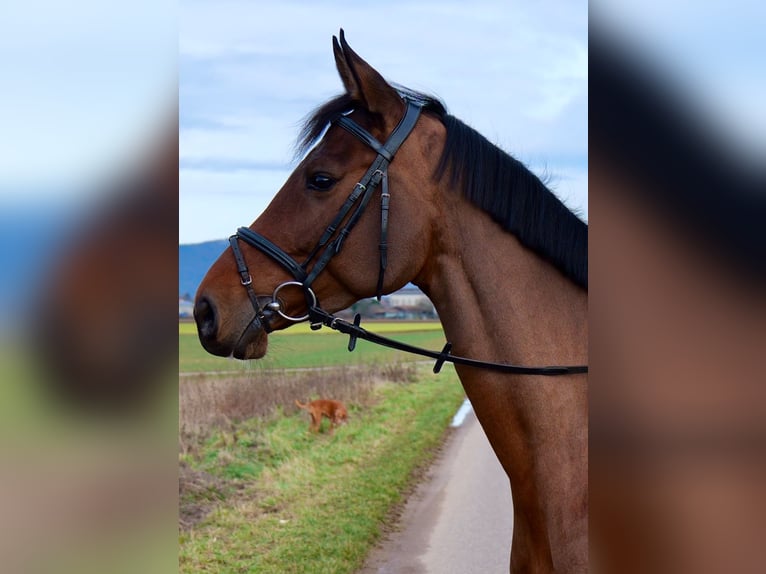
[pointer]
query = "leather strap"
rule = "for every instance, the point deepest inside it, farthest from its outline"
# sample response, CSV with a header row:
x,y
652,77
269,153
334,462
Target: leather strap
x,y
320,317
397,137
385,199
244,274
361,193
367,186
354,128
404,127
259,241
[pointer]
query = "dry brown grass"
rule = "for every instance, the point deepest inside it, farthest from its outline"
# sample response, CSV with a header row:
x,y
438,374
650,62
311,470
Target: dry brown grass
x,y
210,402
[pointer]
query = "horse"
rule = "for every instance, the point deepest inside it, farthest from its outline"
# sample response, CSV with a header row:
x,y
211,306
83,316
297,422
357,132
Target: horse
x,y
502,259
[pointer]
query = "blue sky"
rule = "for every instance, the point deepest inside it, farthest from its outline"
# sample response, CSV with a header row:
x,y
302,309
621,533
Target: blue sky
x,y
249,71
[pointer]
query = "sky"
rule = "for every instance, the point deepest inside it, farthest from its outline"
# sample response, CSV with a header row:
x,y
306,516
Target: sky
x,y
712,53
250,71
85,83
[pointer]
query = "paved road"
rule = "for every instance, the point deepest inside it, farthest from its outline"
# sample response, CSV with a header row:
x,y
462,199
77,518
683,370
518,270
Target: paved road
x,y
459,520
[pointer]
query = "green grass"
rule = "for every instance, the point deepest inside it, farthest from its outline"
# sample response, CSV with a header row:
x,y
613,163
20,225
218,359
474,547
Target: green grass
x,y
297,502
189,328
284,500
298,347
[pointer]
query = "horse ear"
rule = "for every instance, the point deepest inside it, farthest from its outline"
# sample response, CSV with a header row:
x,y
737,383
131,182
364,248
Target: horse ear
x,y
362,82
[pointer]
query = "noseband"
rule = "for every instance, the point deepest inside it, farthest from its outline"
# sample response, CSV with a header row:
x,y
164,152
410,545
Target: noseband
x,y
331,243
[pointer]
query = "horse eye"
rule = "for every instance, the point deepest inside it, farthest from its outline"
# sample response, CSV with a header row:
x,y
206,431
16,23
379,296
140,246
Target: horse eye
x,y
320,182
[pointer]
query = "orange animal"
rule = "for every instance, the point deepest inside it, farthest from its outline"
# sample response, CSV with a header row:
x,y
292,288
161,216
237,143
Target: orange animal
x,y
333,410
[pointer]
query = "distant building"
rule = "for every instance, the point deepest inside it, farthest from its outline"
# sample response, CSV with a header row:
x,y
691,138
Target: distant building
x,y
409,302
407,296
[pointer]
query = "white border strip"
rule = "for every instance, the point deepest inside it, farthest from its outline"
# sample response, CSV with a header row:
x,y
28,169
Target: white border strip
x,y
461,413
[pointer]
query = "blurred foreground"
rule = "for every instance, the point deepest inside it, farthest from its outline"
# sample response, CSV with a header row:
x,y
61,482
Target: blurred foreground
x,y
88,430
88,341
678,317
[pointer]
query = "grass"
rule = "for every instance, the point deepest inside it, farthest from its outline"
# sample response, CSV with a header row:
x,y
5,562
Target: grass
x,y
215,401
259,493
69,476
289,501
189,328
298,347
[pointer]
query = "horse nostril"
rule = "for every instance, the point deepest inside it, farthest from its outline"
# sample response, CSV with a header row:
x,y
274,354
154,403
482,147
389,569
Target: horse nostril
x,y
204,315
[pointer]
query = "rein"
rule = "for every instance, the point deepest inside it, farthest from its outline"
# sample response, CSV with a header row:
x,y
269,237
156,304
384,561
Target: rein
x,y
320,317
331,242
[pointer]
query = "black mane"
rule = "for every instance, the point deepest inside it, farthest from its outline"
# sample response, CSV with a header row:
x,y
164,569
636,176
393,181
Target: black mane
x,y
494,181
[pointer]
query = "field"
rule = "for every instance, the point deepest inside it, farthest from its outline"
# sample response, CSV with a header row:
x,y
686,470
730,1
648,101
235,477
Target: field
x,y
259,493
299,347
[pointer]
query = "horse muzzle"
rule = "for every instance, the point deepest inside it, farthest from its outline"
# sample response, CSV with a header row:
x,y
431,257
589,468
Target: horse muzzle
x,y
247,342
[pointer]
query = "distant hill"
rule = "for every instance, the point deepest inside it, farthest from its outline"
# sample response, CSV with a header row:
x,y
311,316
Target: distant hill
x,y
32,233
195,259
193,262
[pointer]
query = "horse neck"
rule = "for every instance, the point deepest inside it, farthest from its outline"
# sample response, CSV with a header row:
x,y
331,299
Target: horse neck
x,y
499,301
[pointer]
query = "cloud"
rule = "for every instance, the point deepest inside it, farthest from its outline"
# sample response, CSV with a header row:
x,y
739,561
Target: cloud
x,y
264,140
214,203
251,71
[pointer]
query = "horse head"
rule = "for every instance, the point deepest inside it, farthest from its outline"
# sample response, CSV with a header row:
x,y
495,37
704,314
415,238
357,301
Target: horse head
x,y
328,221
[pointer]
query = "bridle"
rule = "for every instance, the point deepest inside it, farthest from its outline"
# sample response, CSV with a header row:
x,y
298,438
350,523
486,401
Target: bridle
x,y
331,243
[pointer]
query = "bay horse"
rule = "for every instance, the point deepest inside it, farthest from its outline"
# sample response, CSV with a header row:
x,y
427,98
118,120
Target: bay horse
x,y
501,258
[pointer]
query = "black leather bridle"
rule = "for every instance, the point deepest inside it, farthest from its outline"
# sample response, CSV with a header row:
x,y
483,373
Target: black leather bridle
x,y
331,243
